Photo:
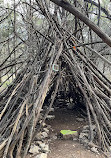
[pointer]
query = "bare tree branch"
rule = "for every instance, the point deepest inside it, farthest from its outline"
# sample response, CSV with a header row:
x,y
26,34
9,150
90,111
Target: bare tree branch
x,y
67,6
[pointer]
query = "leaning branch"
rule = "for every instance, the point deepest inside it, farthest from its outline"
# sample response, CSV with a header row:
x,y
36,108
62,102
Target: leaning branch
x,y
67,6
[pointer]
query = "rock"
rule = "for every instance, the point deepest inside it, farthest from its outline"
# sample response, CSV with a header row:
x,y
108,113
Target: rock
x,y
85,131
91,144
49,126
85,142
94,149
38,136
43,155
72,135
54,137
86,127
75,138
41,135
46,130
93,127
82,135
52,110
38,142
80,119
44,147
83,138
34,149
44,135
44,124
50,117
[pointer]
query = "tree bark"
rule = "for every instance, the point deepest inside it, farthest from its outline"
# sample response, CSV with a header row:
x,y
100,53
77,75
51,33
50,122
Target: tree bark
x,y
67,6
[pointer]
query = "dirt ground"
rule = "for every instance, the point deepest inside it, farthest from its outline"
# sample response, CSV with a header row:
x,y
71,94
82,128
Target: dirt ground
x,y
66,119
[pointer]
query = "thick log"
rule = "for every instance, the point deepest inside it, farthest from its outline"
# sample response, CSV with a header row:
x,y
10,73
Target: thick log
x,y
67,6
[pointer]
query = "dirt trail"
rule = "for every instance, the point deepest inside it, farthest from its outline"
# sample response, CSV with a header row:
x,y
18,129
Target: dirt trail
x,y
66,119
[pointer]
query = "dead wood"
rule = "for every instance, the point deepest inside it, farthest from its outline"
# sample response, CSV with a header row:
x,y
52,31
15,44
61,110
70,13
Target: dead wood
x,y
53,62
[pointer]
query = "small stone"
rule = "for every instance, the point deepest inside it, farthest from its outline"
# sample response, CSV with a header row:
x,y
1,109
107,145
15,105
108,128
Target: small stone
x,y
75,138
52,110
70,136
54,137
43,155
50,117
94,149
44,147
38,142
39,136
34,149
80,119
85,131
44,124
44,135
84,142
82,135
46,130
49,126
86,127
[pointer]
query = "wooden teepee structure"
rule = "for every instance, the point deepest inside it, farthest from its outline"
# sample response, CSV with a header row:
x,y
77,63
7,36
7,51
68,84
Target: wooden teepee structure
x,y
54,52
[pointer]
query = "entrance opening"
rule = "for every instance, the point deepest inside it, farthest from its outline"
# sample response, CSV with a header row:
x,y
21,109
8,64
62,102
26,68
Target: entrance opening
x,y
69,114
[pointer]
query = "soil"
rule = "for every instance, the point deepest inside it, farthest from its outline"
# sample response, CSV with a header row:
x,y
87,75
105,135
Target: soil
x,y
66,120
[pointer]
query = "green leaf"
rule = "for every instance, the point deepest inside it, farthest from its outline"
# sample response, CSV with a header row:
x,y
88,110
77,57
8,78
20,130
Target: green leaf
x,y
67,132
